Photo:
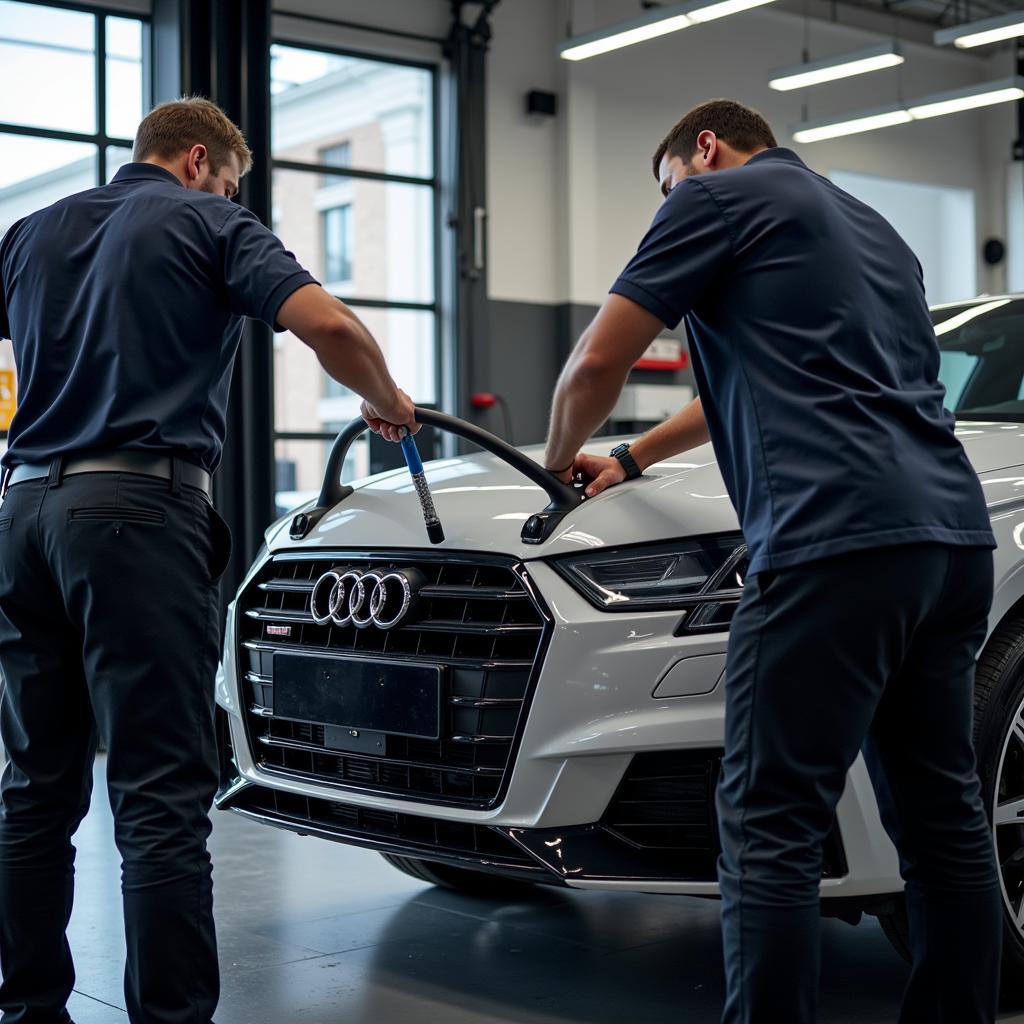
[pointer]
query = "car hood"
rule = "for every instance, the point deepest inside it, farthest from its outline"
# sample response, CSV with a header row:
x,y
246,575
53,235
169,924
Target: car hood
x,y
483,503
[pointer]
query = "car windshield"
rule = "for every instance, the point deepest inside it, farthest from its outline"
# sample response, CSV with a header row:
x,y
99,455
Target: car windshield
x,y
981,345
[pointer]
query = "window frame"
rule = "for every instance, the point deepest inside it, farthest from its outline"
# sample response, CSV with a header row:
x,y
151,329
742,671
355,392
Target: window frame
x,y
100,139
433,181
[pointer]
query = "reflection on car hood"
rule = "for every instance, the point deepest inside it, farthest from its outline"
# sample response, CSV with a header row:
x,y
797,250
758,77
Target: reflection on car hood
x,y
483,503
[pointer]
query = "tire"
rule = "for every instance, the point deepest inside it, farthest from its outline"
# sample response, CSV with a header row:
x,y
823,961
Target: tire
x,y
998,703
465,880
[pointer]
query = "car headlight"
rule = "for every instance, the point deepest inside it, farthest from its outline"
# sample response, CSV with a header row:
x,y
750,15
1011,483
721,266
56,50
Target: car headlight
x,y
701,576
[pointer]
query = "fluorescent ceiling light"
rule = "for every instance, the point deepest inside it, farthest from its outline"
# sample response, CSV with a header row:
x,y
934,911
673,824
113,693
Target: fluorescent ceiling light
x,y
840,65
659,21
982,95
980,33
863,122
967,316
708,12
974,96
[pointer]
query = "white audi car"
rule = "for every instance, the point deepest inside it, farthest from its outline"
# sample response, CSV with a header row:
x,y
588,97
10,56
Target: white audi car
x,y
538,699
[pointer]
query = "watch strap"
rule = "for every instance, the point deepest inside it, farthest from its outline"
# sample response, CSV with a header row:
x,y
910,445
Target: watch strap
x,y
626,460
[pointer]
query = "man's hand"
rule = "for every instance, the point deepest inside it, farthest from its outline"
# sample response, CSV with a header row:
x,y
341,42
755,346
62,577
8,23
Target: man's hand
x,y
602,470
388,422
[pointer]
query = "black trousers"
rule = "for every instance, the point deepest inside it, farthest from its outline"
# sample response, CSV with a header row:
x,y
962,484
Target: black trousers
x,y
109,623
872,650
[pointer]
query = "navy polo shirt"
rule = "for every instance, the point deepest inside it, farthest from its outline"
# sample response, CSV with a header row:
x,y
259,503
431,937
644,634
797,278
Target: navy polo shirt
x,y
125,305
816,362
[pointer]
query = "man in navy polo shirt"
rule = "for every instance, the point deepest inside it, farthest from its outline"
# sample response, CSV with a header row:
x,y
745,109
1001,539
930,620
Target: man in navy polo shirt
x,y
125,304
870,571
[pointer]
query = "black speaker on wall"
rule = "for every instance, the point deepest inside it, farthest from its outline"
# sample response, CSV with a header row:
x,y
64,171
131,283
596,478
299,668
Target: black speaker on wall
x,y
993,251
541,104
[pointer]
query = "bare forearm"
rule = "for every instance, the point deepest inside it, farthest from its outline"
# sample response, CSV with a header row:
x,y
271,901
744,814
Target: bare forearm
x,y
354,359
584,399
687,429
593,377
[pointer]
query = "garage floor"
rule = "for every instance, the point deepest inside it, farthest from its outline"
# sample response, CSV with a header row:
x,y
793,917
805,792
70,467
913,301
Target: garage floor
x,y
317,933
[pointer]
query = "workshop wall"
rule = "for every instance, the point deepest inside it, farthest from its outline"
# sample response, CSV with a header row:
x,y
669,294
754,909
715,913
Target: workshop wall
x,y
570,196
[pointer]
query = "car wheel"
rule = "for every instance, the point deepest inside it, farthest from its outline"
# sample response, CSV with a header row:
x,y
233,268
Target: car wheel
x,y
999,742
464,880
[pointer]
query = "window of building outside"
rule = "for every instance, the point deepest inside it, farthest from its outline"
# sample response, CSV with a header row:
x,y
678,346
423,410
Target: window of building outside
x,y
73,88
338,245
355,198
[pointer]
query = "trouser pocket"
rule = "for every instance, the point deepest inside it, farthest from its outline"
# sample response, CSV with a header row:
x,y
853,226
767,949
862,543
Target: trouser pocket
x,y
221,543
6,522
117,514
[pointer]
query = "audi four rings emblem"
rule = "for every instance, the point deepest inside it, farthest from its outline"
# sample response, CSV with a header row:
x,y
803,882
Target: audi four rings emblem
x,y
382,598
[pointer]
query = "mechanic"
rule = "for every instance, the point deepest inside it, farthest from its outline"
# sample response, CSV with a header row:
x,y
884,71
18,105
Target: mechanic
x,y
125,305
870,573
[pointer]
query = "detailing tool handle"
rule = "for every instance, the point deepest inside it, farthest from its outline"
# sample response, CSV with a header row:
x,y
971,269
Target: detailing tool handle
x,y
435,532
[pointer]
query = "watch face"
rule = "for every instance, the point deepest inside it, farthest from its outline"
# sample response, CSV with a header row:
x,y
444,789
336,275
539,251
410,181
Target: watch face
x,y
619,449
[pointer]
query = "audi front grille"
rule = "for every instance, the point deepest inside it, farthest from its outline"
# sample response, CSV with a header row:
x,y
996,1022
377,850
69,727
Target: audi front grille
x,y
476,619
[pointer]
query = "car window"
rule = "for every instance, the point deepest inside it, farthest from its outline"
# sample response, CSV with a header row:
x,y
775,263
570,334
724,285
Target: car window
x,y
955,370
981,347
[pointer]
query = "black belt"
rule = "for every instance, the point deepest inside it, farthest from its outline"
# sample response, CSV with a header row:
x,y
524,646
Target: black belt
x,y
142,463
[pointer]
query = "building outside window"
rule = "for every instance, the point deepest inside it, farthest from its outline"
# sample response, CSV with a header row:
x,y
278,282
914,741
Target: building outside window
x,y
355,198
74,85
338,155
338,245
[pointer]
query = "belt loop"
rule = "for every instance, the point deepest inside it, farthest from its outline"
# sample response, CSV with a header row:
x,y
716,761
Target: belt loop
x,y
56,474
175,475
5,482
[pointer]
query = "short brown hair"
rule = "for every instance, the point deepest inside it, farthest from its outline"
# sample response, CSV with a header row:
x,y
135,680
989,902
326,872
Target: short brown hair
x,y
742,128
181,124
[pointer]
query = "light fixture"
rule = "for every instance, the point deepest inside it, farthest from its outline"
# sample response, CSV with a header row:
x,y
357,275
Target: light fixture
x,y
980,33
704,11
864,121
840,65
936,105
984,95
659,21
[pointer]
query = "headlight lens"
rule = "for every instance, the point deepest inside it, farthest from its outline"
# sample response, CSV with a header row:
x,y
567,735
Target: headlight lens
x,y
702,575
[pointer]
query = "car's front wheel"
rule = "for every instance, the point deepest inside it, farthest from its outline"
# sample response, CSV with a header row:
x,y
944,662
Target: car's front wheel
x,y
999,742
464,880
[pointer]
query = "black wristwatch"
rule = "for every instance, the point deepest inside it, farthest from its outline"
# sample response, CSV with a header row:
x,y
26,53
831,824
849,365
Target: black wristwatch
x,y
621,452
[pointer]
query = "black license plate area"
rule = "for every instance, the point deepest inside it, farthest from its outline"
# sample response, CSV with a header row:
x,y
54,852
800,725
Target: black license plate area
x,y
354,693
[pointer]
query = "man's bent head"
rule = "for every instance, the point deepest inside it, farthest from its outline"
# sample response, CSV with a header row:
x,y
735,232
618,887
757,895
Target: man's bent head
x,y
714,136
197,142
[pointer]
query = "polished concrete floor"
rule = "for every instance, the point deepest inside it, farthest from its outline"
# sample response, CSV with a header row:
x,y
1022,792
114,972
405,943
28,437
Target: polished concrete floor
x,y
318,933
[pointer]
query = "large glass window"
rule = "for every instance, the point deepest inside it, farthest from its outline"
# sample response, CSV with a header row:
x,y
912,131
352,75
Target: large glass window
x,y
73,88
355,198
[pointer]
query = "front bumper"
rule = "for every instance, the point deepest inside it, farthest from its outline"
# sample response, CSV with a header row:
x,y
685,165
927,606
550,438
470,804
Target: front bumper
x,y
564,817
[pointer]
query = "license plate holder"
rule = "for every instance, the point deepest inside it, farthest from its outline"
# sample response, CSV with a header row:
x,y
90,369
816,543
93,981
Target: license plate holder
x,y
397,698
